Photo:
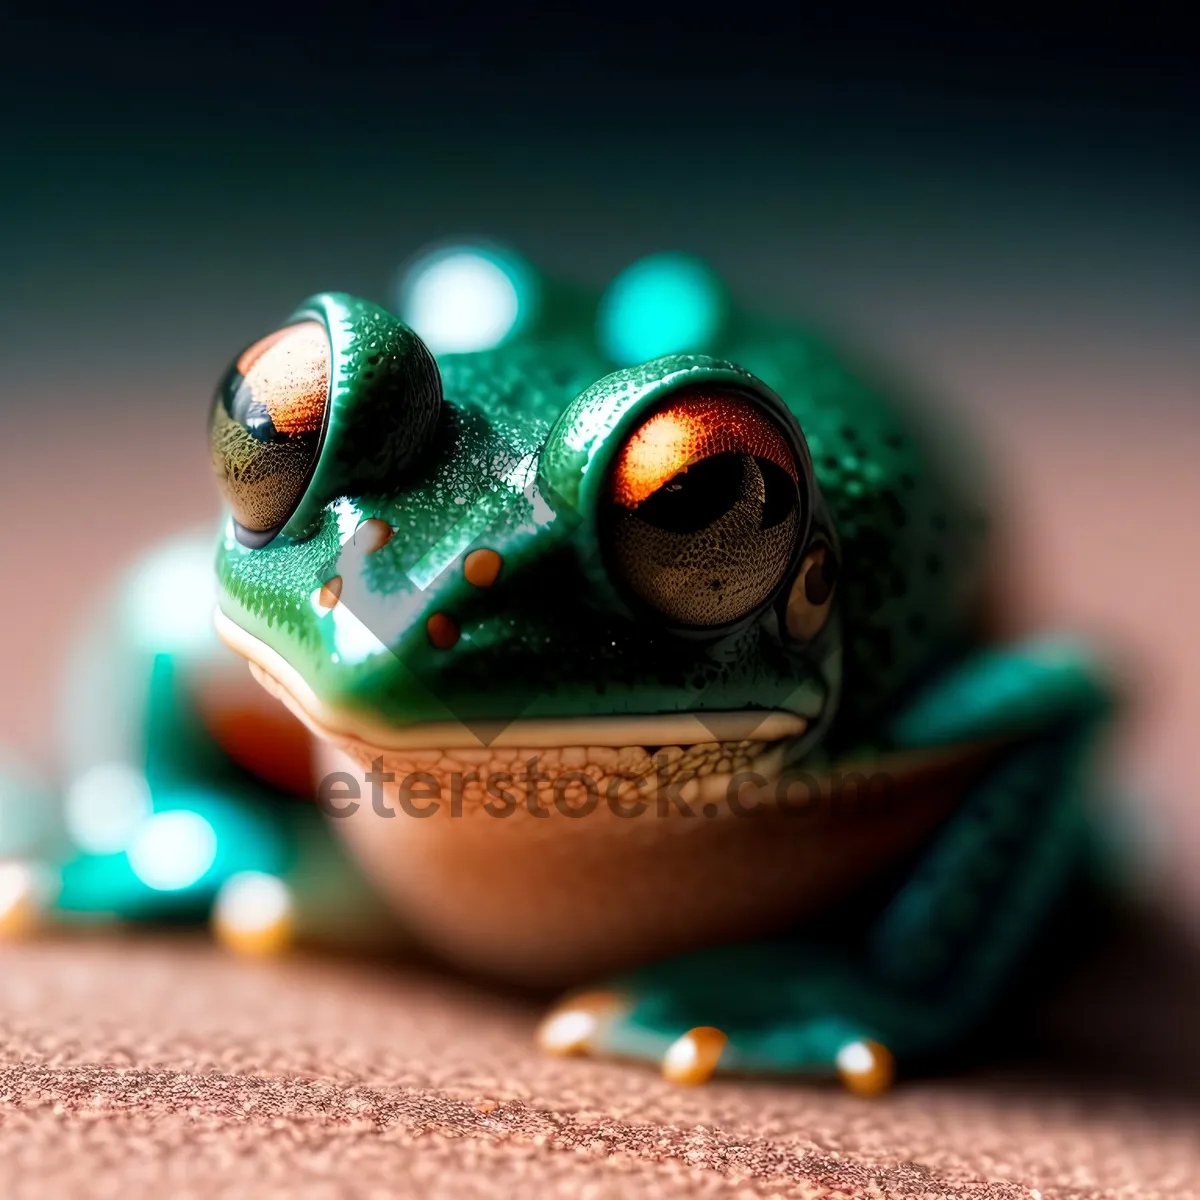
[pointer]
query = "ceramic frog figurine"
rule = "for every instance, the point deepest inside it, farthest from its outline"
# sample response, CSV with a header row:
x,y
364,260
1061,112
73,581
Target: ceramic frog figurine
x,y
629,644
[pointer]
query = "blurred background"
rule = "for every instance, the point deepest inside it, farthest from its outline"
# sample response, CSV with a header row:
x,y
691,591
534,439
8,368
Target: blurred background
x,y
1008,217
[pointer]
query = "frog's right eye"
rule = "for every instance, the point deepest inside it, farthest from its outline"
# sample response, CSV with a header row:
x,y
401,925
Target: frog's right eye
x,y
267,423
705,509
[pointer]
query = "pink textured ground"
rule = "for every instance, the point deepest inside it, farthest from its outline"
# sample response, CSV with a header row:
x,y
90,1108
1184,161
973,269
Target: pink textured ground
x,y
148,1068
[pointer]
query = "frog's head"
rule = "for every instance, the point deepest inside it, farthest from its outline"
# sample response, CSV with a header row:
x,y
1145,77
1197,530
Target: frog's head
x,y
519,548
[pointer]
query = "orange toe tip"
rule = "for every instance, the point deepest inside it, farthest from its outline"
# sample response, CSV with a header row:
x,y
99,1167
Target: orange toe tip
x,y
267,942
691,1059
253,915
22,893
866,1068
571,1027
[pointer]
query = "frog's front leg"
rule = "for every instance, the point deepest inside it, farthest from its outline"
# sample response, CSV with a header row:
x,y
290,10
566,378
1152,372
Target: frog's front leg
x,y
184,798
924,972
181,833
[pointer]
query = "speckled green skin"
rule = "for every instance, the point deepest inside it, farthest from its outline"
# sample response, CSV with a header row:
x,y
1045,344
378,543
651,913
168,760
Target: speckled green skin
x,y
898,667
553,637
516,461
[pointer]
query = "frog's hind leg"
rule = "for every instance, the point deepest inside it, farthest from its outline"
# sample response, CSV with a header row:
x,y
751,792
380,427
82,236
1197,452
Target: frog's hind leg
x,y
184,798
953,935
928,969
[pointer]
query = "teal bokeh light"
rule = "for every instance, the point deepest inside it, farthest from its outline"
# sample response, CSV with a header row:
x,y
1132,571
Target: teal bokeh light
x,y
467,297
195,840
662,304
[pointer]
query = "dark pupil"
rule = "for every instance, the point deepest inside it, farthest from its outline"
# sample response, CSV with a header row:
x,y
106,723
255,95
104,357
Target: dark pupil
x,y
704,493
237,394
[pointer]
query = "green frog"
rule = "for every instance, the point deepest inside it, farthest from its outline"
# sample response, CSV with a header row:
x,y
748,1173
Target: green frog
x,y
633,644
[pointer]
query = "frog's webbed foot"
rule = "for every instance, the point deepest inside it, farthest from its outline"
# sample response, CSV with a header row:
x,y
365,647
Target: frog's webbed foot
x,y
755,1008
931,964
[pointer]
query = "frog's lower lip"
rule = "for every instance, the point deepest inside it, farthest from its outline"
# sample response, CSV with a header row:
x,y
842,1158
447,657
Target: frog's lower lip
x,y
280,678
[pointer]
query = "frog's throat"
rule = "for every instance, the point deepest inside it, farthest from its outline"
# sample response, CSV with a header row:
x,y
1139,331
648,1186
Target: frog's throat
x,y
282,680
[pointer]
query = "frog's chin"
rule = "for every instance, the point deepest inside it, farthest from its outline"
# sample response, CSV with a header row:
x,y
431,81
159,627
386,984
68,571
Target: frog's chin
x,y
731,735
548,898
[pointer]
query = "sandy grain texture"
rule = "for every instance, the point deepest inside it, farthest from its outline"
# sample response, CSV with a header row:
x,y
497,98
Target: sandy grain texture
x,y
148,1067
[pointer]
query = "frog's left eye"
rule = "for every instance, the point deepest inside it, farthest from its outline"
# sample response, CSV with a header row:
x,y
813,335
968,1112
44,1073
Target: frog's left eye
x,y
268,418
705,509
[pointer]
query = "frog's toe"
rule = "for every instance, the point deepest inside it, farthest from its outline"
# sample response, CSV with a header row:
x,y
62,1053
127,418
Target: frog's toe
x,y
253,914
866,1067
20,900
592,1023
578,1023
693,1058
752,1009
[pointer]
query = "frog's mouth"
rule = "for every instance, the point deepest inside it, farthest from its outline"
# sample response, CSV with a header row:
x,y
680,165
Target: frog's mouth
x,y
558,901
709,748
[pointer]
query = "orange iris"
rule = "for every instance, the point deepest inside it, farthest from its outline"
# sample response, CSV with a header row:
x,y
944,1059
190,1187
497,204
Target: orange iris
x,y
689,430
